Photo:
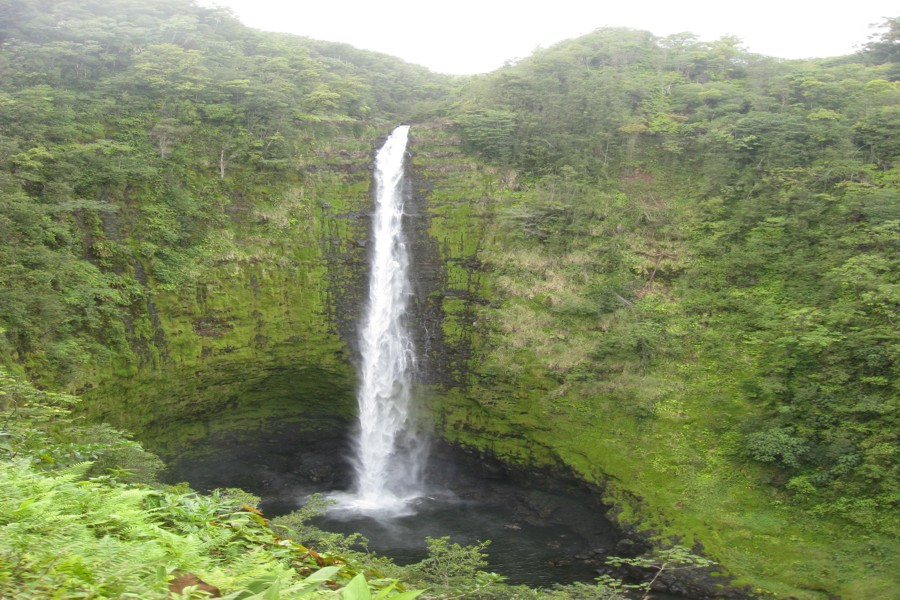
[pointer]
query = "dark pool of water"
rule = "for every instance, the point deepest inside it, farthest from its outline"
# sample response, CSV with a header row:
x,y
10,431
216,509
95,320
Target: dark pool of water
x,y
543,530
538,535
538,555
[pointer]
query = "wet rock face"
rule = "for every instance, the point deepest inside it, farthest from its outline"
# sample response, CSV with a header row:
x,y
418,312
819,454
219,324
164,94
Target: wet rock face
x,y
271,464
429,281
439,360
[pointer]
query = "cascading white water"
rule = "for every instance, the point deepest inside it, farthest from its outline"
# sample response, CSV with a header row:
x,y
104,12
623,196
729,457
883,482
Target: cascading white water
x,y
390,456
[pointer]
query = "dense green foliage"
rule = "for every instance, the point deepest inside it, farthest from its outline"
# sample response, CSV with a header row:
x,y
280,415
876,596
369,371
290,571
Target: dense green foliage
x,y
134,134
669,265
71,529
689,284
84,517
759,205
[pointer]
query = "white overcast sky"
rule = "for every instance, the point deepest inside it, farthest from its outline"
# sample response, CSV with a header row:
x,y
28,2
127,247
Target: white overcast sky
x,y
476,36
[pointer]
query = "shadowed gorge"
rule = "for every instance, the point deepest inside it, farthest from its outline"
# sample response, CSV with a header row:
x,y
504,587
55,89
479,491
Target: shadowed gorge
x,y
660,273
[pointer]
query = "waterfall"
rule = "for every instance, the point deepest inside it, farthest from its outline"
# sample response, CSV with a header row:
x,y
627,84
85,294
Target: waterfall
x,y
390,456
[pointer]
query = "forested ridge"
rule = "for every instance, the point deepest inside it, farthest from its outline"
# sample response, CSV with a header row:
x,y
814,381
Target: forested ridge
x,y
718,203
133,129
669,266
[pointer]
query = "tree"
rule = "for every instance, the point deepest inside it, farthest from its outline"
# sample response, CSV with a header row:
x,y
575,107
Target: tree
x,y
884,48
450,562
167,132
670,559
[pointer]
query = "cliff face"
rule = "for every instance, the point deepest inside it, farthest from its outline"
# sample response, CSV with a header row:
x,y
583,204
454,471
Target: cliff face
x,y
265,338
183,209
255,339
269,336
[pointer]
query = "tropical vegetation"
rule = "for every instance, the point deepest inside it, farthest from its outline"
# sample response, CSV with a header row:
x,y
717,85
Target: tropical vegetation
x,y
665,265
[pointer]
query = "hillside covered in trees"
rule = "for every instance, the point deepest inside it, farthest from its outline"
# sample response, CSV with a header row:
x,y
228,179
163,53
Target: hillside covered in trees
x,y
666,266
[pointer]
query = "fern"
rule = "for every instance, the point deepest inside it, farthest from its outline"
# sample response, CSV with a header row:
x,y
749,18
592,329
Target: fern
x,y
66,532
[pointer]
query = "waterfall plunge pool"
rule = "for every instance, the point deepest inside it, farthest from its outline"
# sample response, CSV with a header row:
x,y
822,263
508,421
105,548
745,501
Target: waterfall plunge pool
x,y
543,529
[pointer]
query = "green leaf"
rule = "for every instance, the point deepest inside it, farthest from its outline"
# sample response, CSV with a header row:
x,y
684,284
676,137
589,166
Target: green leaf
x,y
408,595
324,574
386,591
357,589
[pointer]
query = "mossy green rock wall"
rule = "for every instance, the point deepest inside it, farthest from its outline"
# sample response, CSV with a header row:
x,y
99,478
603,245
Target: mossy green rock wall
x,y
256,337
256,348
527,355
563,344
